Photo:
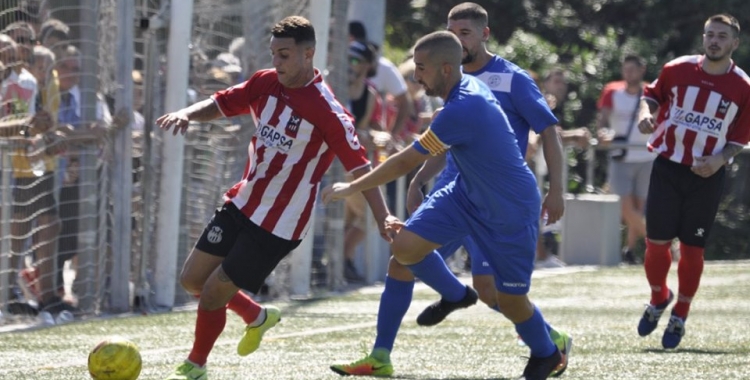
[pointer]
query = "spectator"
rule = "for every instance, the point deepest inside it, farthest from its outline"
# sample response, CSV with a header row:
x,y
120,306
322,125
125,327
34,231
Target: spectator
x,y
423,106
629,169
17,96
54,35
138,92
76,130
392,89
23,33
365,106
33,165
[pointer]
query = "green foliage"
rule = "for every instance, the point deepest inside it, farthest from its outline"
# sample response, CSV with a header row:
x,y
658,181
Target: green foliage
x,y
588,38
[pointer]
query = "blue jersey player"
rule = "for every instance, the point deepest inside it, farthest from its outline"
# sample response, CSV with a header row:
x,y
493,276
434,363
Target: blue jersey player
x,y
494,198
527,110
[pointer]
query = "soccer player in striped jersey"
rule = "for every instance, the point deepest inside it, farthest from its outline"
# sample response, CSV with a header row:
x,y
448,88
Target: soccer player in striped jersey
x,y
526,109
494,198
698,110
300,128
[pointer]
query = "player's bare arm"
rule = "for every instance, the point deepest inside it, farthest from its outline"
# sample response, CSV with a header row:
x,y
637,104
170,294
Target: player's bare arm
x,y
730,151
554,204
394,167
707,166
429,170
178,121
374,198
646,116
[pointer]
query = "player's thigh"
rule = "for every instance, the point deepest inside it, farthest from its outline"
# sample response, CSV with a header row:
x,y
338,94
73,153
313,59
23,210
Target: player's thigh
x,y
439,219
664,200
214,244
510,255
255,254
479,264
410,248
700,208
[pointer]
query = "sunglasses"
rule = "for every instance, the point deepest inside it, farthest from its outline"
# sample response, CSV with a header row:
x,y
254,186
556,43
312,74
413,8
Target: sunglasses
x,y
354,61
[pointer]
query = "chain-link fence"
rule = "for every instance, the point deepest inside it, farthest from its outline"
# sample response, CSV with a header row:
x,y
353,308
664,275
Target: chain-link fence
x,y
57,220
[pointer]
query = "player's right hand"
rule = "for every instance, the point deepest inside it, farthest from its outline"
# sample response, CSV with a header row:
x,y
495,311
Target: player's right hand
x,y
646,124
337,191
177,121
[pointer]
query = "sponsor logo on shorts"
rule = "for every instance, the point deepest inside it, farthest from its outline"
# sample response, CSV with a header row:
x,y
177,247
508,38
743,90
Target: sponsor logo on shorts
x,y
214,235
515,284
485,264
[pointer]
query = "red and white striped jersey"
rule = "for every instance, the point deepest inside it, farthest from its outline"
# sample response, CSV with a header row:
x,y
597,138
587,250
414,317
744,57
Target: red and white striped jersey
x,y
699,113
298,132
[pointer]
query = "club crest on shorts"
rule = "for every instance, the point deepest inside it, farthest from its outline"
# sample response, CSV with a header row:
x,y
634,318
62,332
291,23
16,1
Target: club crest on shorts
x,y
214,236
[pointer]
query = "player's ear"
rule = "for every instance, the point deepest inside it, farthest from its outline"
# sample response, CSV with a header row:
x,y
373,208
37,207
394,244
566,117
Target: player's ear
x,y
446,69
309,52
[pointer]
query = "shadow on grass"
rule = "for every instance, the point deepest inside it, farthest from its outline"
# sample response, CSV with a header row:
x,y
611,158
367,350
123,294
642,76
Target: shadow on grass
x,y
407,377
688,351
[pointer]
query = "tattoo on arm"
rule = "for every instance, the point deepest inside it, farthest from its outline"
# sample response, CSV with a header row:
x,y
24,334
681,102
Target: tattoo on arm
x,y
731,150
223,276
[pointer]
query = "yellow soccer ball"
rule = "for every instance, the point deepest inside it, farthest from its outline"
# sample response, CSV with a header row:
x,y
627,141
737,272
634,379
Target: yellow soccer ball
x,y
115,359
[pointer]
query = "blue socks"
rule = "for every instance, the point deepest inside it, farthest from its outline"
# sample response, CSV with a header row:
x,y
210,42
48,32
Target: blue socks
x,y
394,303
535,333
433,271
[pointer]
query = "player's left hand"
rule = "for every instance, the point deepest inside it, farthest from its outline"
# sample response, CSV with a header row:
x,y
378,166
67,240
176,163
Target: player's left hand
x,y
389,227
553,206
707,166
337,191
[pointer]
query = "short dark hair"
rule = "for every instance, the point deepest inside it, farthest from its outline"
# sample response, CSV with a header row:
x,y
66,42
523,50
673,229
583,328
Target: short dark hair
x,y
21,25
469,11
555,71
357,30
725,19
54,28
443,45
635,58
296,27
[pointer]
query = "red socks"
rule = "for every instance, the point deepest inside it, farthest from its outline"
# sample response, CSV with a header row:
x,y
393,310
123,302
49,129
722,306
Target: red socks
x,y
689,271
245,307
210,323
657,262
208,326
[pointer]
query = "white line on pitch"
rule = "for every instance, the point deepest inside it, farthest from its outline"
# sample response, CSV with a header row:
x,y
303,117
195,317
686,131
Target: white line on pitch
x,y
155,352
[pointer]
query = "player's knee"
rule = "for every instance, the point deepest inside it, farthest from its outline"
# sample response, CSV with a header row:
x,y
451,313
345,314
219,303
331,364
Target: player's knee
x,y
190,283
486,289
398,271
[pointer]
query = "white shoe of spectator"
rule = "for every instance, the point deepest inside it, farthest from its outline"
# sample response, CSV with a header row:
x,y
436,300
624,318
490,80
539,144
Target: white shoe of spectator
x,y
46,318
551,262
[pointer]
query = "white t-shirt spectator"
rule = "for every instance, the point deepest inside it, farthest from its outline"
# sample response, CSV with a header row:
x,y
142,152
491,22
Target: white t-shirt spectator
x,y
388,79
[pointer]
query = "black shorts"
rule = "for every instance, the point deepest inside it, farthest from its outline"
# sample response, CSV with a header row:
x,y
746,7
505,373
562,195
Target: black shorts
x,y
682,204
34,195
250,253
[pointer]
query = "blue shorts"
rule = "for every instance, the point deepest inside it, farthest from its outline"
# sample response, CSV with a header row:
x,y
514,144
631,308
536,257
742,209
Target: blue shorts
x,y
479,265
508,250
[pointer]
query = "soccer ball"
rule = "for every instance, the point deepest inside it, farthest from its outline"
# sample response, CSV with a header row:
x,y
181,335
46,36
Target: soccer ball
x,y
115,359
